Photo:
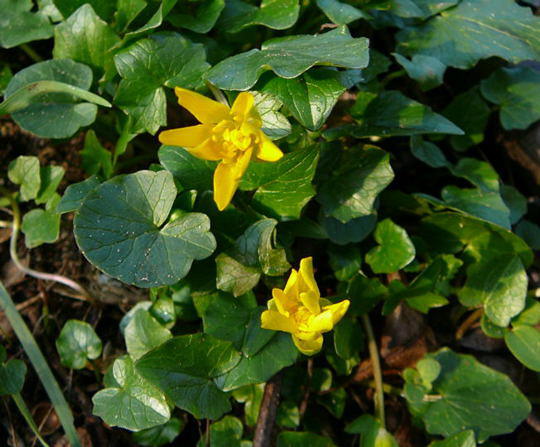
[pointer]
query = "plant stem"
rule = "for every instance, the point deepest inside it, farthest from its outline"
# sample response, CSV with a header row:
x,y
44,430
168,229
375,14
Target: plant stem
x,y
469,321
30,52
391,76
16,224
21,405
37,359
377,372
218,94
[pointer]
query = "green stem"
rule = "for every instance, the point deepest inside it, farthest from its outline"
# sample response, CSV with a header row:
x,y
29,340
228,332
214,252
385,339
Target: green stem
x,y
218,94
377,372
16,225
21,405
122,142
393,75
37,359
30,52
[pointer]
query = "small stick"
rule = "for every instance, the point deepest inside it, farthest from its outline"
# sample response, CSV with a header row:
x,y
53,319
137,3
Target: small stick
x,y
267,413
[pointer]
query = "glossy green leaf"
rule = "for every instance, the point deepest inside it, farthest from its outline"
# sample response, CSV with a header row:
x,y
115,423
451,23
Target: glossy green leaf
x,y
163,59
289,57
355,230
235,277
50,89
144,333
85,37
12,375
348,338
479,173
516,91
191,172
393,114
395,249
184,367
95,158
524,343
19,25
283,187
340,13
104,8
134,404
40,227
50,177
463,439
530,232
373,434
427,70
160,435
121,229
466,395
274,14
274,124
345,261
298,439
311,97
353,187
428,152
201,20
78,343
251,396
474,30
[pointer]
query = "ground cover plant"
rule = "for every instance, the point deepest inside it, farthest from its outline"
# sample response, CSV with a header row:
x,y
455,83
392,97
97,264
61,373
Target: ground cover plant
x,y
270,223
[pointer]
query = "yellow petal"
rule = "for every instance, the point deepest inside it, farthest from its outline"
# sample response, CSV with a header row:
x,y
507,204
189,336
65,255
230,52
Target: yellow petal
x,y
308,278
242,105
321,323
311,300
337,310
290,287
227,177
207,150
206,110
308,347
267,150
186,136
270,319
282,302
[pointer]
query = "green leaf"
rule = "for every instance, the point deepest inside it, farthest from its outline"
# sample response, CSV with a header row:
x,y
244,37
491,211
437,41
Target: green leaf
x,y
479,173
463,439
466,395
75,194
355,230
50,176
348,339
12,374
226,433
474,30
78,343
104,8
311,97
85,38
134,404
530,232
184,367
487,205
126,12
50,89
345,261
393,114
251,396
340,13
143,333
516,91
427,70
364,294
235,277
524,343
274,124
428,152
191,172
160,435
95,158
352,189
289,57
395,249
119,228
160,11
40,227
301,439
373,433
25,172
163,59
202,19
470,112
283,187
18,25
274,14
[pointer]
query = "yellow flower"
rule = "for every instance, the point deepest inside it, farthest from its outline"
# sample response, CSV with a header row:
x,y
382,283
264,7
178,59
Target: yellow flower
x,y
232,135
300,310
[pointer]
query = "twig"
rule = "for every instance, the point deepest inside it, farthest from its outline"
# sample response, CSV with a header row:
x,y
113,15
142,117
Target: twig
x,y
31,53
267,413
305,399
469,321
377,372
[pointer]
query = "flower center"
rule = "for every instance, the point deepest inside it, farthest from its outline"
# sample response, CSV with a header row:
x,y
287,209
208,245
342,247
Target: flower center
x,y
302,317
233,139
